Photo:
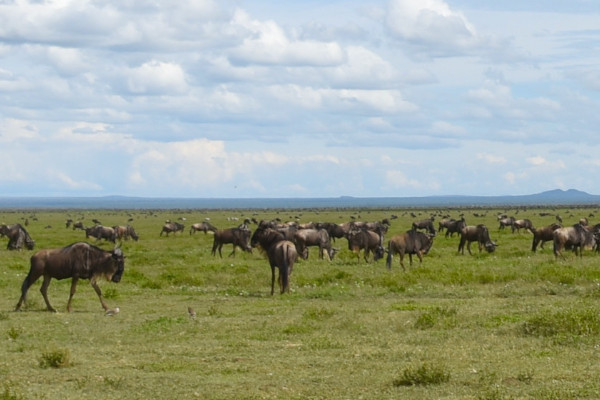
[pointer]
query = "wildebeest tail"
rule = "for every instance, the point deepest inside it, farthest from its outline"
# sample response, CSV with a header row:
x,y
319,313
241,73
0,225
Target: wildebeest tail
x,y
284,270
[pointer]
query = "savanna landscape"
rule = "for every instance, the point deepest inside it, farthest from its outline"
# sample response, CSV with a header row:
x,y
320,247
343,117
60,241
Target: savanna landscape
x,y
512,324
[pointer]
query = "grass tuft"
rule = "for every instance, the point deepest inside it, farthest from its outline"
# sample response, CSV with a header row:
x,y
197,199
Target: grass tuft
x,y
56,358
424,374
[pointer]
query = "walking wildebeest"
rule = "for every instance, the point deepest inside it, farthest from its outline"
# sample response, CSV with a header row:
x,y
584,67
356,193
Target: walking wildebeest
x,y
77,261
426,224
169,227
17,237
543,234
522,224
573,237
281,253
479,234
125,232
203,226
411,242
101,232
455,226
313,237
507,221
368,241
236,236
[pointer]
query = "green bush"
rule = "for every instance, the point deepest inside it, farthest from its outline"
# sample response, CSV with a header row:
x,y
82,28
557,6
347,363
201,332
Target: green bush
x,y
57,358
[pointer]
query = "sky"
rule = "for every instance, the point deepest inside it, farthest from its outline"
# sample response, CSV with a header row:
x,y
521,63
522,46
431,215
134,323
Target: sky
x,y
256,98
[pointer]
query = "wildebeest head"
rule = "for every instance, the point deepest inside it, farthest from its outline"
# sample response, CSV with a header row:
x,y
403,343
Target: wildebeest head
x,y
379,253
119,260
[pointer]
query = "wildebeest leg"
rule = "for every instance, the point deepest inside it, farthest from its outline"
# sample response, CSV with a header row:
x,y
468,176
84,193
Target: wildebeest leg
x,y
272,280
29,280
410,259
44,290
469,247
232,252
72,293
99,293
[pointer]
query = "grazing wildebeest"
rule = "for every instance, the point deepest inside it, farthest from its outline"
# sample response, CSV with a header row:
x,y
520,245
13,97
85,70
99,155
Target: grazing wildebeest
x,y
281,253
426,224
455,226
68,222
203,226
78,225
303,238
101,232
479,234
522,224
125,232
543,234
368,241
573,237
174,227
17,237
411,242
236,236
77,261
504,222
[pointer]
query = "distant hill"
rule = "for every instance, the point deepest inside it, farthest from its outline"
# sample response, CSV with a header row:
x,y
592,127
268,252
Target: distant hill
x,y
555,197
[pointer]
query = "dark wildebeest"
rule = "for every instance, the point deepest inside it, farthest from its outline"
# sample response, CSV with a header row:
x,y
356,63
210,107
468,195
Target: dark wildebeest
x,y
335,231
504,222
543,234
236,236
77,261
304,238
203,226
573,237
455,227
281,253
426,224
78,225
411,242
522,224
368,241
17,237
101,232
479,234
174,227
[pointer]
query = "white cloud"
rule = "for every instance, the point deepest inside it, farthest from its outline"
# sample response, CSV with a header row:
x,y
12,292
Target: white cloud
x,y
491,158
157,77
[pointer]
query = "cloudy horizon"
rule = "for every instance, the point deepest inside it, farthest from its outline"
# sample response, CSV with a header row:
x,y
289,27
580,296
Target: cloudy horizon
x,y
202,98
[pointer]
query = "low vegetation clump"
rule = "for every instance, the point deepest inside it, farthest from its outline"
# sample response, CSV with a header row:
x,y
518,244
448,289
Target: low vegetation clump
x,y
423,374
55,358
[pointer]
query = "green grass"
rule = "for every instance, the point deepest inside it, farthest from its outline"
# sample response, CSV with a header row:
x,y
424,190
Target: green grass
x,y
511,324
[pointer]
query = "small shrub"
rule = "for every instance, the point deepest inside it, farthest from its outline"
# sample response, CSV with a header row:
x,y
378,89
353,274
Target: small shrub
x,y
424,374
577,322
58,358
13,333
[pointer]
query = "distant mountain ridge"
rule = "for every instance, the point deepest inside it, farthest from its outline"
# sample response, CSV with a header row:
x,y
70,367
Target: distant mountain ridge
x,y
548,198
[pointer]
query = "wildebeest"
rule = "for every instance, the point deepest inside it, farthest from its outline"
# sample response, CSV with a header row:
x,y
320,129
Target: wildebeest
x,y
78,225
281,253
368,241
174,227
426,224
77,261
543,234
411,242
335,231
305,238
455,226
236,236
125,232
101,232
17,237
522,224
479,234
576,237
203,226
507,221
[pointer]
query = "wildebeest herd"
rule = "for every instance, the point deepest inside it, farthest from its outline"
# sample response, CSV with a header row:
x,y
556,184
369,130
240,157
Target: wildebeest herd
x,y
283,244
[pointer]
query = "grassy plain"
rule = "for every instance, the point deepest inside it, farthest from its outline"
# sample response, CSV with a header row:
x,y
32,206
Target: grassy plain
x,y
512,324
